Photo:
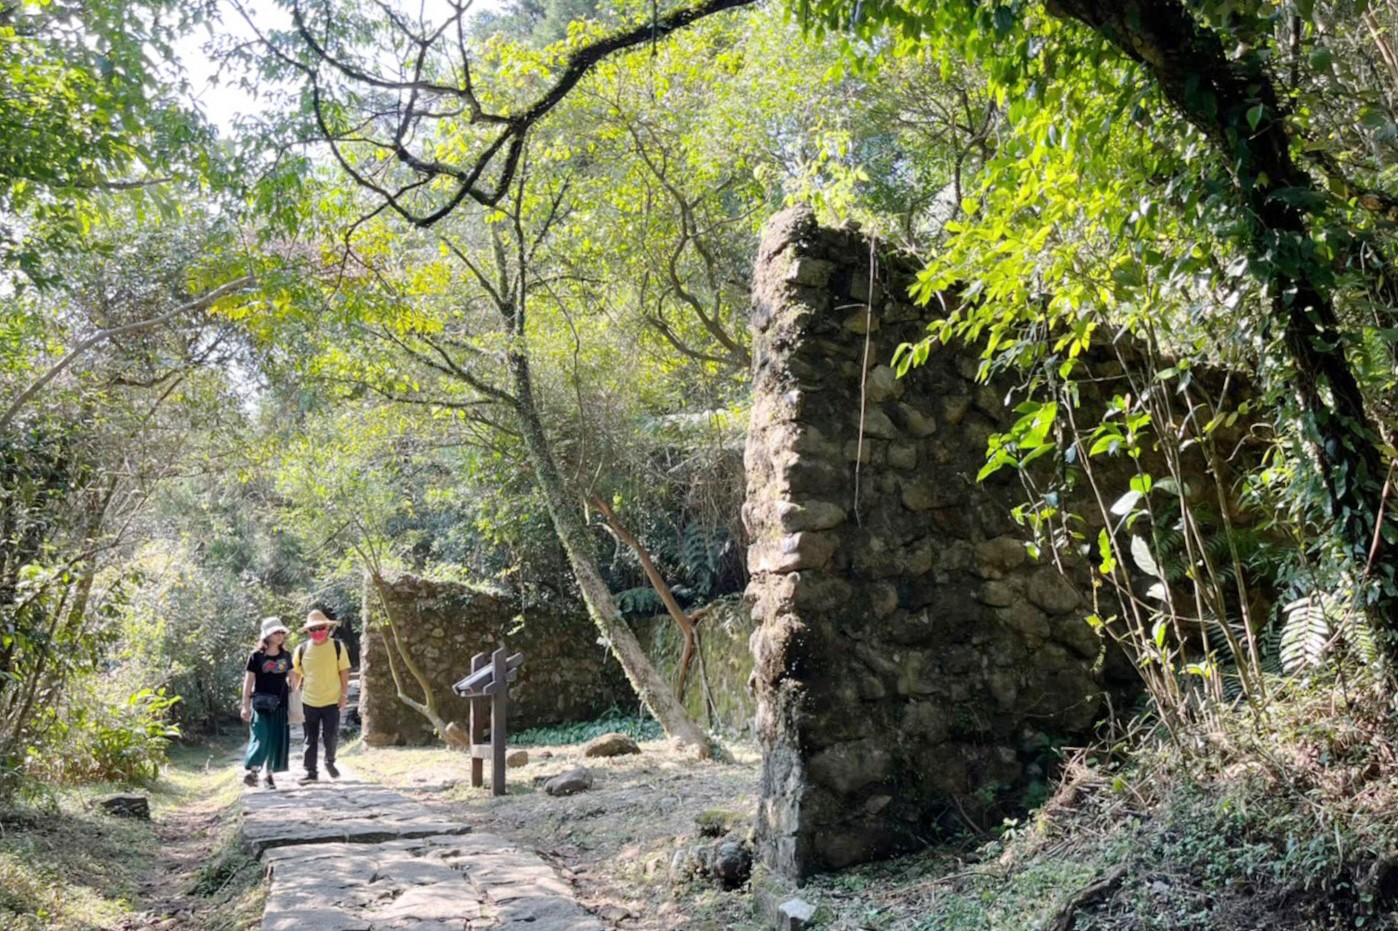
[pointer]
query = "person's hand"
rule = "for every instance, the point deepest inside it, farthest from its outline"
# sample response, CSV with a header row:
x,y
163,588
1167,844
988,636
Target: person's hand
x,y
344,702
247,713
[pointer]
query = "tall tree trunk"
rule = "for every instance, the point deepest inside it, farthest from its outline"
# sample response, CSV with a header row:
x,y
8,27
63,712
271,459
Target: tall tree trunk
x,y
1234,102
568,524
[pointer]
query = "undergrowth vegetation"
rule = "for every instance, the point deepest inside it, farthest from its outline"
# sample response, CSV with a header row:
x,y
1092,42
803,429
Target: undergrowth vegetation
x,y
66,865
1283,822
637,727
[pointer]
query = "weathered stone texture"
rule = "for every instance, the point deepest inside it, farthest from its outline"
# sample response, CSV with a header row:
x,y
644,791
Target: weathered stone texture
x,y
567,675
906,650
717,692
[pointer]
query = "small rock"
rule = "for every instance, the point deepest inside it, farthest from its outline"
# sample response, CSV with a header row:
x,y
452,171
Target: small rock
x,y
614,913
732,864
125,806
517,758
570,782
613,744
796,915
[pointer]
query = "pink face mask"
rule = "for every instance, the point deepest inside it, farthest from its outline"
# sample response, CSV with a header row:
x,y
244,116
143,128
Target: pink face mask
x,y
319,636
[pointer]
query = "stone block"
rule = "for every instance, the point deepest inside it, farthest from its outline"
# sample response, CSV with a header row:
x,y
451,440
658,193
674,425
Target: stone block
x,y
997,594
612,744
917,423
809,514
955,409
810,272
902,456
883,384
860,323
879,424
570,782
846,767
918,496
1050,591
796,915
999,555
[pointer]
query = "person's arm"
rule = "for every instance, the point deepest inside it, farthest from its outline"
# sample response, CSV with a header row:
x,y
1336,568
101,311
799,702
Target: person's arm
x,y
248,680
293,678
344,689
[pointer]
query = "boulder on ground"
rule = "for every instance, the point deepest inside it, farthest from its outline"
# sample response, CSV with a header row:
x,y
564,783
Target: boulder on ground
x,y
125,806
732,863
613,744
570,782
727,861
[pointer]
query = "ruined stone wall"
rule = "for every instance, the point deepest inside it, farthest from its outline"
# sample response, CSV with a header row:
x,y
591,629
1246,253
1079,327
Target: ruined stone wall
x,y
567,675
717,695
911,662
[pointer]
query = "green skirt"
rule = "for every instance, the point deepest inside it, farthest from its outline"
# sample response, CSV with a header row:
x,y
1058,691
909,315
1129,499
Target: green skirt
x,y
269,741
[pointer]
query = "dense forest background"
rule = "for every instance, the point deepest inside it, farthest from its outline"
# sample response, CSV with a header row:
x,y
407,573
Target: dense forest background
x,y
457,284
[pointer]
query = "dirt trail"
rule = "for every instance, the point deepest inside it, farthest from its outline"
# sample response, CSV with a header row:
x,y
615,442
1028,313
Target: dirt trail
x,y
613,843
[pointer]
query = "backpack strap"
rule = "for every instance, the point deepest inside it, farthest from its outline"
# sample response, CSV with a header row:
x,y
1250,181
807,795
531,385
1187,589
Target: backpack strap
x,y
296,657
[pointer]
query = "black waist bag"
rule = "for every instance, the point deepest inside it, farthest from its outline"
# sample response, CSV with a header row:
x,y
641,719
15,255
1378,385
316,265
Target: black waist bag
x,y
265,701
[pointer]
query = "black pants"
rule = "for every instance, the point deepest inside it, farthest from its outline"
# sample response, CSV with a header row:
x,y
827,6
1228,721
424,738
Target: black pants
x,y
323,723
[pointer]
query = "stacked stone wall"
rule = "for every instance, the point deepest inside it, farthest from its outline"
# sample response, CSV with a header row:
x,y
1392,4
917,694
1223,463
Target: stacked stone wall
x,y
717,695
910,661
567,675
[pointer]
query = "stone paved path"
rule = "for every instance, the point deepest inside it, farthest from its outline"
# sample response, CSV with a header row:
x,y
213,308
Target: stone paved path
x,y
354,856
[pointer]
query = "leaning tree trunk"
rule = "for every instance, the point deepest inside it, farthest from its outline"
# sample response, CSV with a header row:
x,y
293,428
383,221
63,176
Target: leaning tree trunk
x,y
662,588
1221,97
654,692
393,644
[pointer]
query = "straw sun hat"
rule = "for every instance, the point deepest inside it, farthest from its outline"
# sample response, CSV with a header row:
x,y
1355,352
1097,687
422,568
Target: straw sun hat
x,y
317,618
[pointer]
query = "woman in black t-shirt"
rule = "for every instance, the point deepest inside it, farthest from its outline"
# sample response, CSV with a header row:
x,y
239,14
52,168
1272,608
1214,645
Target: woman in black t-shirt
x,y
264,705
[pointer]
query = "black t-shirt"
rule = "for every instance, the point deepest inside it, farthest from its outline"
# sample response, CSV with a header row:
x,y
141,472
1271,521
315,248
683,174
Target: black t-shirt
x,y
269,672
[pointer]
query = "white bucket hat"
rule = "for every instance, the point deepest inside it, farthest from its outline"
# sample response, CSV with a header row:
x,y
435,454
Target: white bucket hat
x,y
270,625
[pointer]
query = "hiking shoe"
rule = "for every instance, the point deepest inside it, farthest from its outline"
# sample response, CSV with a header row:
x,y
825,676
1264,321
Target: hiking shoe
x,y
308,779
267,781
330,768
250,778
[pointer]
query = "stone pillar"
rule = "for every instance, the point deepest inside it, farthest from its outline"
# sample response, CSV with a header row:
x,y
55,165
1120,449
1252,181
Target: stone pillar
x,y
908,656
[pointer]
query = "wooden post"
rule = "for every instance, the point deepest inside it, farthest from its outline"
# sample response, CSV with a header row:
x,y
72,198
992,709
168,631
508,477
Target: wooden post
x,y
475,735
489,681
499,708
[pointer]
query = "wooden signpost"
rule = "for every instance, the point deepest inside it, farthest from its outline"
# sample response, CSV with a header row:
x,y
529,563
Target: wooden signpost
x,y
489,683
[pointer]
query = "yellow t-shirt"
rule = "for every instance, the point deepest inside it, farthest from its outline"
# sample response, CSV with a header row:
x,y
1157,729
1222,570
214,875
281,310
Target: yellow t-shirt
x,y
319,665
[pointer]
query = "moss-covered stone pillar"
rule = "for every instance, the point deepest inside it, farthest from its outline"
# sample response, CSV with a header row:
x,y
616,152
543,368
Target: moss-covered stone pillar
x,y
909,658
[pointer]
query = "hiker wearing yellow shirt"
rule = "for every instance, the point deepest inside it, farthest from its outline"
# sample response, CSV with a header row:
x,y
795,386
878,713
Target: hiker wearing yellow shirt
x,y
321,670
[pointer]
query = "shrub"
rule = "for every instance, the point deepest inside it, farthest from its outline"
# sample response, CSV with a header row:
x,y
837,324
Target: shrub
x,y
94,739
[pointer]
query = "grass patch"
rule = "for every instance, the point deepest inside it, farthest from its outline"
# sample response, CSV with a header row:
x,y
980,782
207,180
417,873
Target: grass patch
x,y
68,866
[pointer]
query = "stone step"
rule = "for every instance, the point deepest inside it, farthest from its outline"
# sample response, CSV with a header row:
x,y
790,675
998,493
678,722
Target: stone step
x,y
354,856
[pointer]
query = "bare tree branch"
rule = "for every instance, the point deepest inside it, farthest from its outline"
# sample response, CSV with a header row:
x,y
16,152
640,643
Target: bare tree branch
x,y
201,303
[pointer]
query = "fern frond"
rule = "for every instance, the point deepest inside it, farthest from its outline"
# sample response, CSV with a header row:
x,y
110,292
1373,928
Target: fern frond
x,y
1306,633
